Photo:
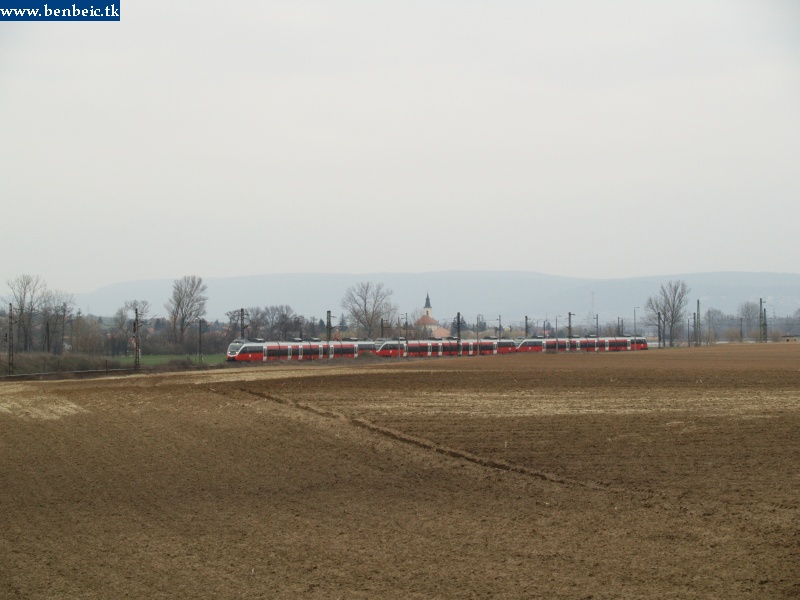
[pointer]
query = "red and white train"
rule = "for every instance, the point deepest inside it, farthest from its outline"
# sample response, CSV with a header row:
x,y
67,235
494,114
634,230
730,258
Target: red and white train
x,y
260,351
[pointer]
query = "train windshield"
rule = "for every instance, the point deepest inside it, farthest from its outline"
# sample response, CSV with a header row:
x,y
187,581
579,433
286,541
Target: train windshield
x,y
234,347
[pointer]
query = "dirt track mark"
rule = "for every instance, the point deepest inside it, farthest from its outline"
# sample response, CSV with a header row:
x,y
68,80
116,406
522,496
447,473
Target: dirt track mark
x,y
426,444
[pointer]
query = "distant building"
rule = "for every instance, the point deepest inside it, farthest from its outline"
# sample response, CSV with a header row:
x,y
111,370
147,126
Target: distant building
x,y
427,324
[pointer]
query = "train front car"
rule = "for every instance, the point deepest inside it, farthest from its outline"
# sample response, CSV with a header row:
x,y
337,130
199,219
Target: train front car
x,y
234,347
245,351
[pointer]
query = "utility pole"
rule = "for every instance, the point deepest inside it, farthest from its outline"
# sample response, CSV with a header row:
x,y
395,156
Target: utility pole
x,y
200,339
400,341
569,324
63,327
660,332
526,326
10,339
698,327
328,328
762,321
136,350
241,323
458,332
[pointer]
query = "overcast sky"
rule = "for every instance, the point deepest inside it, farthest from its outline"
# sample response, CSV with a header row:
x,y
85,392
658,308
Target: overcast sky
x,y
591,139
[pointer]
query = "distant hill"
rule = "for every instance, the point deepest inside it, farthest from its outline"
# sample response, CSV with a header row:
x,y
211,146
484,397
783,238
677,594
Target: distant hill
x,y
510,294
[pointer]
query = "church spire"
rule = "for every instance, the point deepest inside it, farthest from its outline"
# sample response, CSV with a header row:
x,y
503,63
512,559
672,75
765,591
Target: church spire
x,y
427,310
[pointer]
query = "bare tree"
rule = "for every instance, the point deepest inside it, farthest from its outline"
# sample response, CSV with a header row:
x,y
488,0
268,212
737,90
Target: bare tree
x,y
64,304
716,321
749,313
186,305
367,303
256,321
142,306
53,318
120,332
88,335
277,319
269,322
28,293
671,302
285,323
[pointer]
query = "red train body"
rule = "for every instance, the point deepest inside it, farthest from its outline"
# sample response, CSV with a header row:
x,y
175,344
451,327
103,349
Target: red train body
x,y
259,351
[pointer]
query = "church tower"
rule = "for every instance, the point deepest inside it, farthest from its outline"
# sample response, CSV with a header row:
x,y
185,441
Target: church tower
x,y
426,324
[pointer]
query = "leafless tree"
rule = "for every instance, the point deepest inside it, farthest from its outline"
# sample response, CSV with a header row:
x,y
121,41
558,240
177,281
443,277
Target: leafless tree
x,y
285,324
671,302
270,322
256,318
88,335
749,313
52,320
142,306
120,332
367,303
64,304
28,294
186,305
716,321
277,320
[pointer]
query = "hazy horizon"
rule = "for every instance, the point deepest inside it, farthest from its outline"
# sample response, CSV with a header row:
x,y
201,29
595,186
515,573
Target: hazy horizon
x,y
371,275
606,141
514,294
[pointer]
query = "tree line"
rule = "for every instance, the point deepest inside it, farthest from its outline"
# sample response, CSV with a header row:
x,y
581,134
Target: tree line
x,y
38,319
668,312
35,318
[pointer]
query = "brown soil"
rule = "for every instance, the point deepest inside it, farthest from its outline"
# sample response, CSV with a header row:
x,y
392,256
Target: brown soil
x,y
657,474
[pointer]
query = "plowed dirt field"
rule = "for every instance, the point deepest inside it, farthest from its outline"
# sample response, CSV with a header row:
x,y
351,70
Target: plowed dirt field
x,y
656,474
